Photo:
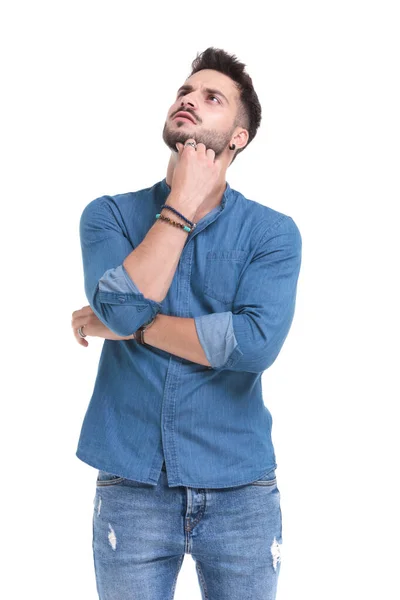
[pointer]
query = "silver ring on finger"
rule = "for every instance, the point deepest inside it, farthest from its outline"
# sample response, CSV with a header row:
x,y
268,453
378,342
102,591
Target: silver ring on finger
x,y
191,144
80,332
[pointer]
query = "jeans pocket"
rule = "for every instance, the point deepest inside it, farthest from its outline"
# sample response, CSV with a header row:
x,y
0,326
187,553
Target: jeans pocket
x,y
268,479
106,478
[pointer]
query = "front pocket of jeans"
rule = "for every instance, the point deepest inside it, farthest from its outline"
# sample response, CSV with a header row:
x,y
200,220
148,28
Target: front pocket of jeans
x,y
223,269
105,478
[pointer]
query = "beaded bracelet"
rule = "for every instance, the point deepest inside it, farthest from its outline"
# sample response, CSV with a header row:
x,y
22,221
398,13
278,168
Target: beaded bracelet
x,y
177,213
175,223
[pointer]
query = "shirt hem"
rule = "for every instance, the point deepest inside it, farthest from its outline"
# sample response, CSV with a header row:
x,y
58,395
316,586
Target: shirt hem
x,y
109,469
93,462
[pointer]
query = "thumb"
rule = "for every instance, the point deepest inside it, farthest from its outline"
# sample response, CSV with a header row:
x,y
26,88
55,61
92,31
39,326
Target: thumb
x,y
179,146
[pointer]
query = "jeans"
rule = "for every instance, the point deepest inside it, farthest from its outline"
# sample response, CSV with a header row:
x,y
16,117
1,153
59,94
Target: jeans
x,y
141,534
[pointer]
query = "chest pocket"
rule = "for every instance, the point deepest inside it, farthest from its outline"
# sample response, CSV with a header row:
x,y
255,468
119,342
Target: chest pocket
x,y
223,269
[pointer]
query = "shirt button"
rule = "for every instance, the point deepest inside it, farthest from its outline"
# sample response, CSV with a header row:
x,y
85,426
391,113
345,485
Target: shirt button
x,y
121,298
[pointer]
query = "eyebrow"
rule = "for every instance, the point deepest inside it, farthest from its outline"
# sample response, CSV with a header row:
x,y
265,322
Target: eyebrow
x,y
189,88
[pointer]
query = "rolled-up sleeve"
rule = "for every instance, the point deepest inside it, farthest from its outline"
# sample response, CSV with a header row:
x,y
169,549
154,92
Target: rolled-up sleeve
x,y
217,338
117,280
250,337
111,293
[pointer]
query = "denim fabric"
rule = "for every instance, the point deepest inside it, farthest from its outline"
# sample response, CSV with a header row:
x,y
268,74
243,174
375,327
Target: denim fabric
x,y
217,336
141,534
237,278
117,280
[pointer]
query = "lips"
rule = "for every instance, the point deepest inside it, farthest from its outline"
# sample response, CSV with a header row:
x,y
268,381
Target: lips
x,y
185,115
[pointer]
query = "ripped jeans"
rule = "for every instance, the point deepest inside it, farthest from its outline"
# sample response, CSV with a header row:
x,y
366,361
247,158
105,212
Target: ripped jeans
x,y
142,532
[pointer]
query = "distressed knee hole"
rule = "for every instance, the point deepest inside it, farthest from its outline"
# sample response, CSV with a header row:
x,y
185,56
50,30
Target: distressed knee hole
x,y
276,553
112,537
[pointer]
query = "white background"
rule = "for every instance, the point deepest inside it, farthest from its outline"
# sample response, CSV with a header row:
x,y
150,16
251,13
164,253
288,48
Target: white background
x,y
86,87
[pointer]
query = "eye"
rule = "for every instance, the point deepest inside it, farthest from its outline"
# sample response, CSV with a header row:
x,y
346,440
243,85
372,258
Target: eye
x,y
210,96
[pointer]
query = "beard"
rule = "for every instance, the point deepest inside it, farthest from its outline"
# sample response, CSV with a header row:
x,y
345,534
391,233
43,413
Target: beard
x,y
216,140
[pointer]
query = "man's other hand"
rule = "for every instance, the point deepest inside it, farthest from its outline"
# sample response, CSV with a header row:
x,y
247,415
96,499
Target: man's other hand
x,y
91,326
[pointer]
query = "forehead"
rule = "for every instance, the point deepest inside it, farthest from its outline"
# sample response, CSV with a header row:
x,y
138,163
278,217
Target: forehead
x,y
208,78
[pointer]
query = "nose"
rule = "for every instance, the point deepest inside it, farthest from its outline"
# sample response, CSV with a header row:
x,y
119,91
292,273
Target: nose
x,y
184,102
186,98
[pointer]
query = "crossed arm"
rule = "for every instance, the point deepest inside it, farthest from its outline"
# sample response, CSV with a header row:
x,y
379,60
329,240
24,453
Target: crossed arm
x,y
175,335
247,338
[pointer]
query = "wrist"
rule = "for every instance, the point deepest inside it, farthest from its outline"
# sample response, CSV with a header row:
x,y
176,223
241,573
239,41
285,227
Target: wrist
x,y
188,210
139,334
172,215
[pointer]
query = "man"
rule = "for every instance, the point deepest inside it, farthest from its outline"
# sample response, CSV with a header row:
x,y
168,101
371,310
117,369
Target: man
x,y
193,288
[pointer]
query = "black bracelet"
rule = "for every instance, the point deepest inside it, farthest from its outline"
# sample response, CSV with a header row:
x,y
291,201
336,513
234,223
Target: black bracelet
x,y
139,334
177,213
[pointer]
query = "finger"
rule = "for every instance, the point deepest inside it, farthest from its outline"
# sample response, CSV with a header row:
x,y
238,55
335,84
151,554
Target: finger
x,y
79,323
81,341
181,146
201,148
210,153
85,310
85,313
80,319
188,147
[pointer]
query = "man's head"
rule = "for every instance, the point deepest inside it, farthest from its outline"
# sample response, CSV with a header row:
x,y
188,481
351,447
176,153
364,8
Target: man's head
x,y
220,98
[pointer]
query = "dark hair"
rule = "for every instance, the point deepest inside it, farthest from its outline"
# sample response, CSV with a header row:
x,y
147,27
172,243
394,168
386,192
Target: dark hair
x,y
248,114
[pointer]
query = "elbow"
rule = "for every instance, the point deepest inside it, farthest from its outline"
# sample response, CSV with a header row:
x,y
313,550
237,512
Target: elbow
x,y
256,359
267,353
121,313
264,360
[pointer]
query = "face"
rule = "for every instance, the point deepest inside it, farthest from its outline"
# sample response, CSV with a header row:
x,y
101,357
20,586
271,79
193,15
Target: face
x,y
213,113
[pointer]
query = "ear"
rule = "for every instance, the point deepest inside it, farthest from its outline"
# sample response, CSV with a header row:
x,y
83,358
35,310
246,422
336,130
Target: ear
x,y
240,139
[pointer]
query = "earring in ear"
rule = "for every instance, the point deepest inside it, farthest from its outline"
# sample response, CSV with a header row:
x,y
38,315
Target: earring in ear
x,y
232,147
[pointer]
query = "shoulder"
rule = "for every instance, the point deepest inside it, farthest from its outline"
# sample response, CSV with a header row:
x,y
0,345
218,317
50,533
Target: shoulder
x,y
109,203
106,213
264,221
119,201
119,207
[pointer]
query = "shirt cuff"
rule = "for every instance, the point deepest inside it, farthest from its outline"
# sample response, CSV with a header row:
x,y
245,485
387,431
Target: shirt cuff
x,y
117,280
217,338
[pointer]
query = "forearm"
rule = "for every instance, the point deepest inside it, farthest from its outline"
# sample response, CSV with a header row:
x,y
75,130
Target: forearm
x,y
177,336
152,265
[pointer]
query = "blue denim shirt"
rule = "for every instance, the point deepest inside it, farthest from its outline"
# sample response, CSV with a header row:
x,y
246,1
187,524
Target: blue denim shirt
x,y
237,277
